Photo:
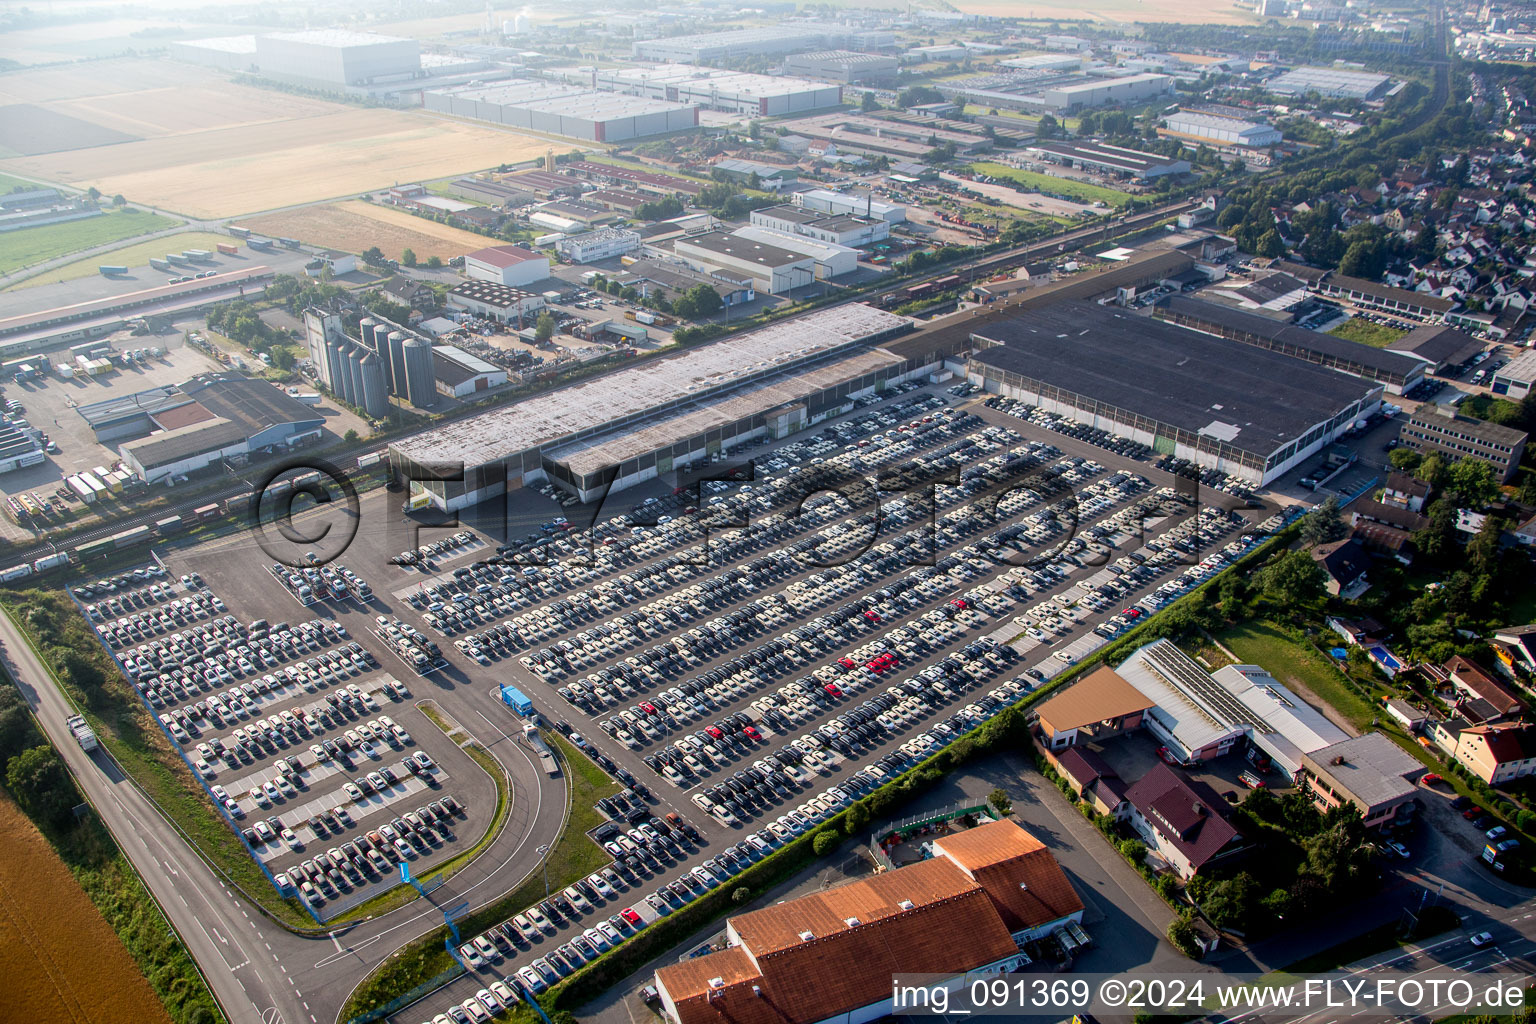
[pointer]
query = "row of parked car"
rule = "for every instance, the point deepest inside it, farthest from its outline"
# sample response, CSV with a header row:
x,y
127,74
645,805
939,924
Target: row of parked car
x,y
371,856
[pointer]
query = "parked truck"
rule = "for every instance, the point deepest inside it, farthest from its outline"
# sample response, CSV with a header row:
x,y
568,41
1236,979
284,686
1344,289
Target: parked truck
x,y
228,248
112,270
83,734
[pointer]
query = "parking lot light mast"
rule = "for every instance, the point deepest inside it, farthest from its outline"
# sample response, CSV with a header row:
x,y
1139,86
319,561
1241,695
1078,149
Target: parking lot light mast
x,y
544,863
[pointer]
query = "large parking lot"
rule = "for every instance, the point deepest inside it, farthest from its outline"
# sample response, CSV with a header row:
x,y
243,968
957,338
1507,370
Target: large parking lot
x,y
312,751
746,655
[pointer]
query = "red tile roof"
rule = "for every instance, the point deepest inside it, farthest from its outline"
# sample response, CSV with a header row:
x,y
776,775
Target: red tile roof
x,y
1485,686
831,952
1508,741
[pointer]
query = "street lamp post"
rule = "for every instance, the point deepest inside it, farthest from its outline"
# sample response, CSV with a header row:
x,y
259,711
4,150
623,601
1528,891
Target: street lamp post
x,y
544,863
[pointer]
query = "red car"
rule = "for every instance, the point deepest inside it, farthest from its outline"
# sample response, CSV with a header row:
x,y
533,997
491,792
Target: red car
x,y
1167,756
714,731
750,732
629,915
833,690
872,617
1430,778
1472,812
648,708
960,602
846,662
1131,613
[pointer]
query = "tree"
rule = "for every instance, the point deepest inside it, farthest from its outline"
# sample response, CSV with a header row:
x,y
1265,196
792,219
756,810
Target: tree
x,y
1337,856
93,193
1048,128
119,200
1294,580
1405,460
408,257
374,256
1231,593
351,436
434,262
870,102
1432,469
823,842
544,328
1323,523
1230,903
1472,481
1000,801
918,95
1437,540
1270,245
741,894
1484,548
1184,938
38,780
856,820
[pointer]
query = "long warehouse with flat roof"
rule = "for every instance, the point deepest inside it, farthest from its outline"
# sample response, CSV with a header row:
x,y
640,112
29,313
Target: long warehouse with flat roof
x,y
637,423
1245,411
1398,372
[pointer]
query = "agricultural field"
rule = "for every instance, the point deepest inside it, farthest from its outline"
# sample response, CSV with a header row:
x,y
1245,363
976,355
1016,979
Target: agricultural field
x,y
1083,191
1188,12
194,142
25,247
136,254
50,934
355,225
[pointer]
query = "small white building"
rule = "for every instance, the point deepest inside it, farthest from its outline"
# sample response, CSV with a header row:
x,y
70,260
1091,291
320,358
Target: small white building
x,y
460,374
825,200
839,229
509,265
775,269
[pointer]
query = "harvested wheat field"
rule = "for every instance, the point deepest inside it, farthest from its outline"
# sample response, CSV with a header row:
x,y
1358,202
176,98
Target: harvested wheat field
x,y
76,970
355,225
191,141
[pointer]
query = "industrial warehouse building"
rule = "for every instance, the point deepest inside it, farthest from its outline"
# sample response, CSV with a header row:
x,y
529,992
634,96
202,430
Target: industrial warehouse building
x,y
226,53
1516,378
200,423
509,265
460,375
1330,83
1397,372
498,302
826,201
1100,92
333,57
843,66
830,955
598,245
1192,126
840,229
1103,158
774,269
1242,410
832,260
712,46
567,110
733,92
647,420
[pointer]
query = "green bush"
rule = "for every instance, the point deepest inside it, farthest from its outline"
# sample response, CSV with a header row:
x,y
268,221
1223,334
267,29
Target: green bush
x,y
822,844
1184,938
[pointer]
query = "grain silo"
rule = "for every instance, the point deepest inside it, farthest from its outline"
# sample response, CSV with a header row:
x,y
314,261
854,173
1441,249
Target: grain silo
x,y
420,379
378,343
355,354
396,360
374,397
336,365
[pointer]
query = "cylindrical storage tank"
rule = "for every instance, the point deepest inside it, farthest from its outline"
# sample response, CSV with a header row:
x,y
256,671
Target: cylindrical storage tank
x,y
374,397
378,342
355,355
397,364
365,328
336,366
420,385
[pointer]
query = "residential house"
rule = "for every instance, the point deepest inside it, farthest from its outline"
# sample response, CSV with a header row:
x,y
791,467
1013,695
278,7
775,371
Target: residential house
x,y
1405,491
1345,562
1092,779
1520,644
1470,680
1182,821
1499,752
